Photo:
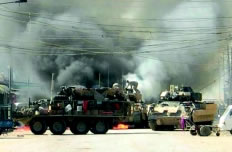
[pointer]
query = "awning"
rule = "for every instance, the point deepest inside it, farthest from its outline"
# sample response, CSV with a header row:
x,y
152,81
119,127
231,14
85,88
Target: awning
x,y
4,89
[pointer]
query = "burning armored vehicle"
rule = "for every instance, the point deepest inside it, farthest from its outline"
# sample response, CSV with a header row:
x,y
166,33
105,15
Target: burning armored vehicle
x,y
83,109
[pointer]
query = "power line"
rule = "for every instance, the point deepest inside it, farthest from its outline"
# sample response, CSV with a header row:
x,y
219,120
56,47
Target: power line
x,y
122,26
184,47
125,18
77,29
59,47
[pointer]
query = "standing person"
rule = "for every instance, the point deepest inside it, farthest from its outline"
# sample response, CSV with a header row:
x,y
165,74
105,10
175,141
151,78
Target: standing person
x,y
132,85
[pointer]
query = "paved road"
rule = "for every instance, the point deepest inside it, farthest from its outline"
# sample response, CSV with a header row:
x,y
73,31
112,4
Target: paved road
x,y
134,140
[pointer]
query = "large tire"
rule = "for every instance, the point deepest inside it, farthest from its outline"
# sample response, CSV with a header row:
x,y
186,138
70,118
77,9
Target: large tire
x,y
152,125
79,128
58,127
38,127
205,131
100,127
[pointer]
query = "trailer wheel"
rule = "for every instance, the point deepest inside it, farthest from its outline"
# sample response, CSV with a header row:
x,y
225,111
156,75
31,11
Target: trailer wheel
x,y
231,131
58,127
79,127
38,127
205,131
152,125
100,127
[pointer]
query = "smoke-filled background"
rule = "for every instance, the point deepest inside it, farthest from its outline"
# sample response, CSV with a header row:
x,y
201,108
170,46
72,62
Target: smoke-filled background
x,y
155,42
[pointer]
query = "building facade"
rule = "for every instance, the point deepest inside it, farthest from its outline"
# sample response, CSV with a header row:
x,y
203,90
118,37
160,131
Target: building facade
x,y
5,107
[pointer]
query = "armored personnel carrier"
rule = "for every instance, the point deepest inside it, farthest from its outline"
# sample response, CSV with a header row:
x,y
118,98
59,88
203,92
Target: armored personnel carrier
x,y
177,104
87,109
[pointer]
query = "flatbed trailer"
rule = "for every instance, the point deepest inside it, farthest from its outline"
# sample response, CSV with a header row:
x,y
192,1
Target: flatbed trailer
x,y
225,124
204,130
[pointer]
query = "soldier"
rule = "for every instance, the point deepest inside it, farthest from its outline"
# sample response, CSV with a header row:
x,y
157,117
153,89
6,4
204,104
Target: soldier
x,y
132,85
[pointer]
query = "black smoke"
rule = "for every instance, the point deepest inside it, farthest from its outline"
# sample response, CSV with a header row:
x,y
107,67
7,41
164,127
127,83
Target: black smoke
x,y
78,40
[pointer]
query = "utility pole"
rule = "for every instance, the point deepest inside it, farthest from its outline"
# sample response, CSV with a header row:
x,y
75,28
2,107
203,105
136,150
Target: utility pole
x,y
10,78
230,71
122,78
99,80
108,77
52,87
10,92
28,85
228,75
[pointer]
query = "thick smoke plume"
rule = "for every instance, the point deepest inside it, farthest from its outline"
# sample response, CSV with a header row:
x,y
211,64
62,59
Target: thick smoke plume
x,y
156,43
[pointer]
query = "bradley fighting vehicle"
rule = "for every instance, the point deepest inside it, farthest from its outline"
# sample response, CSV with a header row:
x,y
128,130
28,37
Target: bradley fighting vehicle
x,y
177,104
83,109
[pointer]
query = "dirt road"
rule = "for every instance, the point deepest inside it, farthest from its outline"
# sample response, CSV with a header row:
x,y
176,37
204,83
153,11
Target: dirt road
x,y
134,140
